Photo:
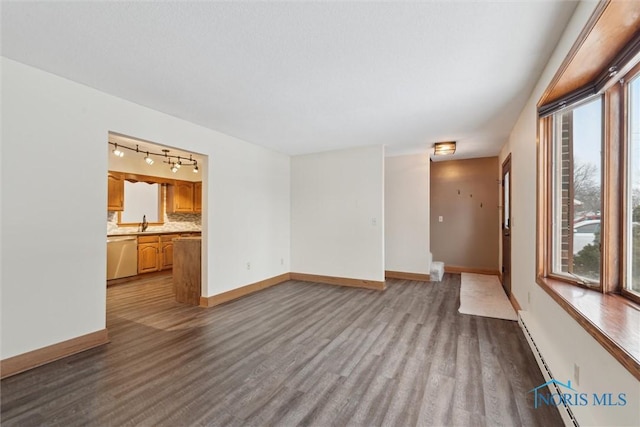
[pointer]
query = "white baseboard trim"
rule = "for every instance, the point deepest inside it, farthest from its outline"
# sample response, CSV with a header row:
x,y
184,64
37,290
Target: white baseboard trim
x,y
565,412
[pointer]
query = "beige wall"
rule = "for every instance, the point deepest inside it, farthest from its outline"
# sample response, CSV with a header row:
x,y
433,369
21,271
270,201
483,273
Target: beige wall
x,y
406,214
465,194
337,213
563,343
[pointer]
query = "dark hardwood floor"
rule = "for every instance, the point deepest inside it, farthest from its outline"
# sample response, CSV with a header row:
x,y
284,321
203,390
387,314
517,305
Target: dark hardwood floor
x,y
294,354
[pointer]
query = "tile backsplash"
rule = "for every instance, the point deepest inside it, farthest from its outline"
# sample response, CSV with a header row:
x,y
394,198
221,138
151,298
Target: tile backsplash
x,y
172,222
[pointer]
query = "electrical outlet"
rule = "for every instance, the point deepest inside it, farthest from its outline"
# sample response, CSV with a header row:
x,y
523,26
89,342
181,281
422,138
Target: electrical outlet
x,y
374,221
440,219
576,374
281,261
248,266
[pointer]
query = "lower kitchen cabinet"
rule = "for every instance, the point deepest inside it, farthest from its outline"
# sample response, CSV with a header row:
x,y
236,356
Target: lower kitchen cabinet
x,y
166,249
148,254
155,251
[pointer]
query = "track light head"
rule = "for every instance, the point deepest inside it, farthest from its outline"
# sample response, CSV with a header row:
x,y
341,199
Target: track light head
x,y
148,159
117,152
195,168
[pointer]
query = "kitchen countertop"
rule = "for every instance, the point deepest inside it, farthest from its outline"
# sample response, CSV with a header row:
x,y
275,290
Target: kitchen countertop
x,y
151,233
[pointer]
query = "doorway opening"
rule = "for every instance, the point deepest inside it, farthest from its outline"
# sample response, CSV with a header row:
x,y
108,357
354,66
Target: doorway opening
x,y
155,203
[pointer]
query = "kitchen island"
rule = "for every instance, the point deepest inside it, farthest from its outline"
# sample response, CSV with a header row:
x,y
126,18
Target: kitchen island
x,y
187,271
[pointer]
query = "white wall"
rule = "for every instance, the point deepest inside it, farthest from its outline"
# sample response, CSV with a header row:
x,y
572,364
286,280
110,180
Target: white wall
x,y
561,340
406,213
337,213
53,224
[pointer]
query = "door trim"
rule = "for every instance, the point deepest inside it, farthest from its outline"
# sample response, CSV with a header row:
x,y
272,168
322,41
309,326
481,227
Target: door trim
x,y
504,260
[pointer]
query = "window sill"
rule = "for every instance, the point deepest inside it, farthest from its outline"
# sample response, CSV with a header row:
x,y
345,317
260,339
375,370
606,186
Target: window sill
x,y
611,319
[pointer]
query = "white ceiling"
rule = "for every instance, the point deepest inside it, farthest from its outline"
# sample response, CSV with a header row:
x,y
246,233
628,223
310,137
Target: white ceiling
x,y
303,77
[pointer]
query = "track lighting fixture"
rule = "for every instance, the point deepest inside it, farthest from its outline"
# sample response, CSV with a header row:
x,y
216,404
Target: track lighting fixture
x,y
148,159
174,162
117,152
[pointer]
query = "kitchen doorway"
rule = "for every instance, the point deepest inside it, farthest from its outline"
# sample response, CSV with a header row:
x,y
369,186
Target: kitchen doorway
x,y
155,199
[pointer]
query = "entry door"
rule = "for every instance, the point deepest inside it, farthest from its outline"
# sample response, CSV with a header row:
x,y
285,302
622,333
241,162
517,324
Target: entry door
x,y
506,225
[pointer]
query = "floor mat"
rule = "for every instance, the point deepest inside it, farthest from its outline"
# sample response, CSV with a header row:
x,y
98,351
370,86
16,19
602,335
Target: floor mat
x,y
482,295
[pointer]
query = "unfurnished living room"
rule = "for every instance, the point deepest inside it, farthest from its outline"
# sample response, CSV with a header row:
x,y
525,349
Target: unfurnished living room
x,y
323,213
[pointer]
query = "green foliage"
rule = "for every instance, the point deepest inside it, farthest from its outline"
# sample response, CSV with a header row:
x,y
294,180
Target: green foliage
x,y
636,218
586,263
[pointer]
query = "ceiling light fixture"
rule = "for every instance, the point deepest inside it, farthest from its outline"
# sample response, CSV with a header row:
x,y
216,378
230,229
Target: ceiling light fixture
x,y
174,162
117,152
148,159
444,148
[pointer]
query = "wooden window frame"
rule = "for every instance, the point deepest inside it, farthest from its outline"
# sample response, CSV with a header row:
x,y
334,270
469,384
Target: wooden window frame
x,y
610,313
161,208
548,138
162,189
624,171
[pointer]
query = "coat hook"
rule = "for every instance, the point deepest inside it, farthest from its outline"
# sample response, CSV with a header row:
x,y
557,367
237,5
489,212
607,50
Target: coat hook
x,y
458,192
480,204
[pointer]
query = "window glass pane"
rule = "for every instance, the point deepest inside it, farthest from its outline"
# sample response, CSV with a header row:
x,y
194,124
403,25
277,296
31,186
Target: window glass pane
x,y
633,229
140,199
589,227
577,192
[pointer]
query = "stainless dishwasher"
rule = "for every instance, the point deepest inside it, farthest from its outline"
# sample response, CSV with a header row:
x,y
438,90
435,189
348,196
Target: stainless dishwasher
x,y
122,256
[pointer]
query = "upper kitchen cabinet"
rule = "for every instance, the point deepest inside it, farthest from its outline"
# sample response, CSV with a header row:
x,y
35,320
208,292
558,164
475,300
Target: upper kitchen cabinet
x,y
197,197
184,197
115,191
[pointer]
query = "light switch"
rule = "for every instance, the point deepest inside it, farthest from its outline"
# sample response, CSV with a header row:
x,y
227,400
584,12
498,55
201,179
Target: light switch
x,y
374,221
440,219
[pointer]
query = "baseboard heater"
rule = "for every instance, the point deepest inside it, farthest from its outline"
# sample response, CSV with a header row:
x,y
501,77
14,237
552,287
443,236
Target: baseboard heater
x,y
564,410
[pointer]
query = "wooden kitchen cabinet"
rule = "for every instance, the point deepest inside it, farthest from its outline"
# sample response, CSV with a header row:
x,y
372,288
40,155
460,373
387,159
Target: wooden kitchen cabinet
x,y
184,197
115,191
180,197
197,197
148,254
187,272
155,252
166,251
